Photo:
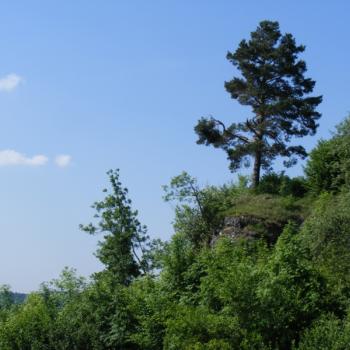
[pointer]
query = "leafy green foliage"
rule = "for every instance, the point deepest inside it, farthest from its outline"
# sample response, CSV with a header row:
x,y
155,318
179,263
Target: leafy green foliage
x,y
123,233
151,307
292,293
229,294
200,212
30,327
327,333
198,328
274,295
283,185
328,168
326,233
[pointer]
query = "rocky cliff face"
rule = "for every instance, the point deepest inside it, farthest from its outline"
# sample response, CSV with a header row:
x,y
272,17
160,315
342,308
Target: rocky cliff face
x,y
250,227
239,226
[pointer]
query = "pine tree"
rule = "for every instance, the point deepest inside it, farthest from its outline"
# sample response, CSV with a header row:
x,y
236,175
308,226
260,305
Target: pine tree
x,y
273,84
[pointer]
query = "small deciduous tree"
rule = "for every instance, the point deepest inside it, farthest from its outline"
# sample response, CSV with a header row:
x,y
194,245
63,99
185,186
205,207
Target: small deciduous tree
x,y
199,212
125,239
273,84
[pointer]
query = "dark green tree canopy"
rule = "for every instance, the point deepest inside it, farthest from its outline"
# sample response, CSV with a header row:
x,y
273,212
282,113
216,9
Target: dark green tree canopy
x,y
273,84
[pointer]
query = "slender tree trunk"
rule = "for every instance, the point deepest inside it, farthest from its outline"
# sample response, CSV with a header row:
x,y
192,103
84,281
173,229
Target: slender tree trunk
x,y
256,169
258,140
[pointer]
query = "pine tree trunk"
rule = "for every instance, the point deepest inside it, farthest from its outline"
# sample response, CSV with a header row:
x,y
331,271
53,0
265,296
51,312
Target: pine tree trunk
x,y
258,140
256,169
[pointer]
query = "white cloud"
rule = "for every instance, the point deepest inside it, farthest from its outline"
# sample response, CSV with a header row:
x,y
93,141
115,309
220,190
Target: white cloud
x,y
63,160
11,157
10,82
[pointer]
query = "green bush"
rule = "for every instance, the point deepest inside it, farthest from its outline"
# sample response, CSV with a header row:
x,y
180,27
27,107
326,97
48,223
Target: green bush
x,y
328,168
29,327
327,234
281,184
327,333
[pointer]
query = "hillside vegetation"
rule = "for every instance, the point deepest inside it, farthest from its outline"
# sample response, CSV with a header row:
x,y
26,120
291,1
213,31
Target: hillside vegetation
x,y
262,268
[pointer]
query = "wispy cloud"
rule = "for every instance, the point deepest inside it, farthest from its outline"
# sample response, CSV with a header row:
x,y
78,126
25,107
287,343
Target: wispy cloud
x,y
10,82
63,160
10,157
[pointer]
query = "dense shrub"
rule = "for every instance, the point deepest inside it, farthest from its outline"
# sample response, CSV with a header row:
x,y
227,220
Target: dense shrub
x,y
328,168
327,234
327,333
281,184
28,327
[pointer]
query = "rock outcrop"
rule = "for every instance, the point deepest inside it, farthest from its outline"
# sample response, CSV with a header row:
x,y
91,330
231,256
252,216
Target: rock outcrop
x,y
240,227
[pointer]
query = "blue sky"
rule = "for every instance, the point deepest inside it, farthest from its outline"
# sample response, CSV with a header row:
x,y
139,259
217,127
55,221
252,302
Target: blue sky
x,y
109,84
